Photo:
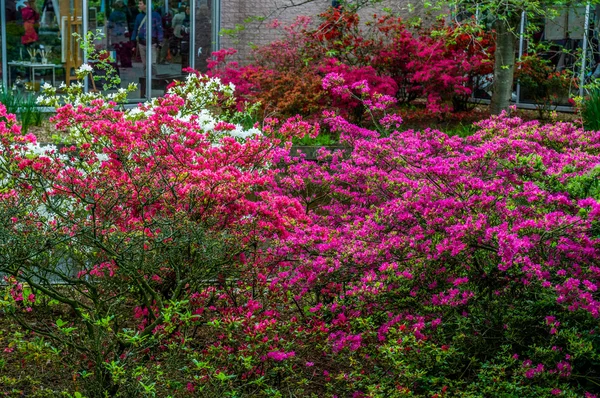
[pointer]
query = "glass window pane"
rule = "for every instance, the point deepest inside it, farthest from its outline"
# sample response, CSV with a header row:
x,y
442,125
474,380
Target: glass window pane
x,y
558,44
173,54
39,44
118,19
33,46
593,50
203,33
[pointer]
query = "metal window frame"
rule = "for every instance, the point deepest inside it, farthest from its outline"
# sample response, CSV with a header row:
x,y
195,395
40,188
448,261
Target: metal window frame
x,y
216,25
586,29
85,26
3,44
149,49
584,52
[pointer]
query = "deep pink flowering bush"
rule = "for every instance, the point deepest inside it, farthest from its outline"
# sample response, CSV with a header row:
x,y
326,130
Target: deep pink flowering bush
x,y
449,63
472,260
350,86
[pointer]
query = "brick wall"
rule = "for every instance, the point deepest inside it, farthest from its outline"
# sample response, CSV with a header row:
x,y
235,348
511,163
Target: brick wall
x,y
236,12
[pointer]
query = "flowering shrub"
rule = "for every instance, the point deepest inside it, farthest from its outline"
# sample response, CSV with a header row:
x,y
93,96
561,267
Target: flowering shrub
x,y
441,64
542,83
141,213
588,108
450,63
349,86
196,257
439,265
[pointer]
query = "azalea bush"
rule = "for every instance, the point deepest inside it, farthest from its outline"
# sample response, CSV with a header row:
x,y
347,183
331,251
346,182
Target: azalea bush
x,y
442,65
588,106
172,250
543,84
442,266
113,239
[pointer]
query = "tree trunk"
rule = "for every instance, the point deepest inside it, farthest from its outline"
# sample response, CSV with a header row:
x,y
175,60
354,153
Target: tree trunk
x,y
504,67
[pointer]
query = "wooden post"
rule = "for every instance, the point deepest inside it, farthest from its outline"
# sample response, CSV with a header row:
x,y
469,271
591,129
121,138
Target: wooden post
x,y
74,57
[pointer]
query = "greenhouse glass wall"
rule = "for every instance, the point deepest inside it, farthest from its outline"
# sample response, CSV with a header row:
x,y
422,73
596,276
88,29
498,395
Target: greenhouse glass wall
x,y
39,45
568,56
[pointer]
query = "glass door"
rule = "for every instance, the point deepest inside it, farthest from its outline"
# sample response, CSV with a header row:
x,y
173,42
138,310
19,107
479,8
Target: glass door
x,y
150,48
204,33
38,43
175,53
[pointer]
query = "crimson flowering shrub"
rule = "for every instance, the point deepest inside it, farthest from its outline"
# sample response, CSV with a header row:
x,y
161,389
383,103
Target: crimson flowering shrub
x,y
449,64
542,83
442,64
119,235
355,84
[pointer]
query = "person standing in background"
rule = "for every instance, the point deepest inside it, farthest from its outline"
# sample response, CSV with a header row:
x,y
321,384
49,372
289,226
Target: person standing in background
x,y
185,39
167,25
177,29
203,37
117,23
131,14
140,34
30,19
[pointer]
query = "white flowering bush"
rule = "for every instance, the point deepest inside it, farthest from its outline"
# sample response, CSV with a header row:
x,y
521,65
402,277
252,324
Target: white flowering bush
x,y
206,105
203,104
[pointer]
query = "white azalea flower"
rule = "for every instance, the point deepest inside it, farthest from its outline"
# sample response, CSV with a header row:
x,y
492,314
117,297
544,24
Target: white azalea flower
x,y
132,113
254,131
85,68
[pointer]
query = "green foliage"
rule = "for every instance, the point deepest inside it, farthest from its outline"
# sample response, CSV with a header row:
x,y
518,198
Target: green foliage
x,y
584,186
590,110
24,106
461,130
101,58
546,86
235,32
247,119
323,139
